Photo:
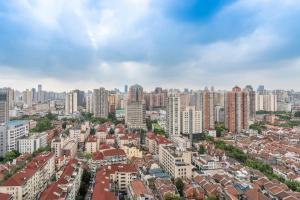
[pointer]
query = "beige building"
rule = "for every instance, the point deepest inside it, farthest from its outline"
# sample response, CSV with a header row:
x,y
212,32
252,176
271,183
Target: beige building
x,y
92,144
64,146
132,152
176,162
29,182
191,121
173,115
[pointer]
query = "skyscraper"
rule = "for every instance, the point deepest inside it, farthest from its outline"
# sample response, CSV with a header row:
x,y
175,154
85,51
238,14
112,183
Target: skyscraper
x,y
73,101
100,103
191,121
89,102
4,106
251,102
236,110
208,109
126,88
173,115
135,112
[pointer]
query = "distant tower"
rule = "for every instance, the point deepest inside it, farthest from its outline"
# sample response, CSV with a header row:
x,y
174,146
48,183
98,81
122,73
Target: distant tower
x,y
126,89
4,106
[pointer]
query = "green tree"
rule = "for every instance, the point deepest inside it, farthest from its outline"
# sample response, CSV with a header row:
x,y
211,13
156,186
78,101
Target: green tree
x,y
171,197
111,131
297,114
92,131
211,198
201,149
64,125
179,185
11,155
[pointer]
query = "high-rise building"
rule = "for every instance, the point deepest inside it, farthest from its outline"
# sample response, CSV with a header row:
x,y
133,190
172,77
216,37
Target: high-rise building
x,y
27,98
4,106
208,109
173,115
40,95
236,110
74,101
266,102
126,88
136,93
157,99
261,89
89,102
135,112
100,102
191,121
251,102
3,139
112,102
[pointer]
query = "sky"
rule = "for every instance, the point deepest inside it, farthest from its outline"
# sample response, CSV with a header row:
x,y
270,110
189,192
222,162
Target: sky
x,y
86,44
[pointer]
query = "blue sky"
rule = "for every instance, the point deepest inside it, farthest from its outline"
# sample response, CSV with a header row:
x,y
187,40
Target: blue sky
x,y
86,44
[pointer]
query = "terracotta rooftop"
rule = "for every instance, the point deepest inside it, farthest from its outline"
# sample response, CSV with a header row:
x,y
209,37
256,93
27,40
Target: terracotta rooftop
x,y
28,171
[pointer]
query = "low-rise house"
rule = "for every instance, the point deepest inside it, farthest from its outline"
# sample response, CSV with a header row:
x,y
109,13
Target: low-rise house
x,y
92,144
108,156
132,151
30,181
67,186
138,191
165,187
32,143
193,191
111,178
154,142
175,162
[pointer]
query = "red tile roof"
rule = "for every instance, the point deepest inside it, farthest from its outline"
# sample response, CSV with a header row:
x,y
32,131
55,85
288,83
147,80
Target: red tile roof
x,y
92,138
54,191
29,170
139,188
4,196
101,190
113,152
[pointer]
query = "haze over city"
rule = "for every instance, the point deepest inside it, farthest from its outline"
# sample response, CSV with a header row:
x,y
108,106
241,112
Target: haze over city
x,y
176,44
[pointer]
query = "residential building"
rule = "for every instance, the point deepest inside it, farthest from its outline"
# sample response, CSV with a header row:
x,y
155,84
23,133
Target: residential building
x,y
3,139
208,109
68,184
132,151
251,102
154,142
29,182
92,144
236,110
176,162
137,190
74,101
157,99
89,102
100,102
191,121
135,112
15,130
119,174
266,102
173,115
4,106
32,143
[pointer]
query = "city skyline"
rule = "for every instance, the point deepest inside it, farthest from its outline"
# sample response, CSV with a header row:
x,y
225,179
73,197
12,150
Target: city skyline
x,y
87,44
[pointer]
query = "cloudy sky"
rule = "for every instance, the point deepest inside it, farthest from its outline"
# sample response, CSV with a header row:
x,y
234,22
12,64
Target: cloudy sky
x,y
86,44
